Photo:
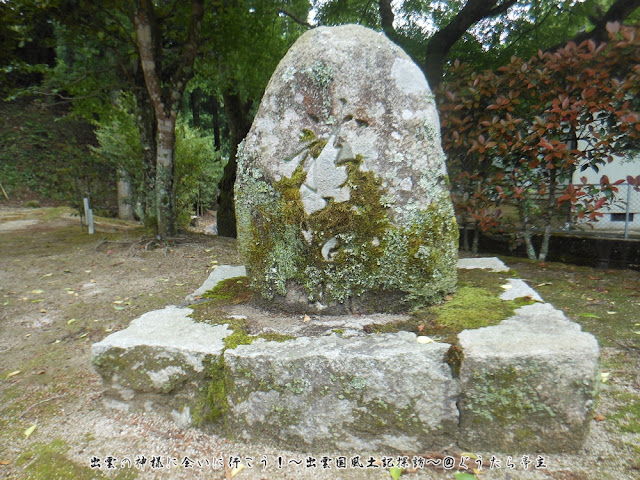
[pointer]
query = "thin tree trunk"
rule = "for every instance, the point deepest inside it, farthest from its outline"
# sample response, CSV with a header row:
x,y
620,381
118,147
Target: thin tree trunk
x,y
215,114
531,251
548,217
146,119
125,208
465,237
165,194
476,239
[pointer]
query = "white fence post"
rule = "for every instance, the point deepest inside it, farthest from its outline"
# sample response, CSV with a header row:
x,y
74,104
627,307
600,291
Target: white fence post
x,y
88,215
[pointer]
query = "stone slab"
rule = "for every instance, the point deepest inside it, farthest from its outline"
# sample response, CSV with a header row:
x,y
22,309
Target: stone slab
x,y
161,352
517,288
528,383
486,263
222,272
378,393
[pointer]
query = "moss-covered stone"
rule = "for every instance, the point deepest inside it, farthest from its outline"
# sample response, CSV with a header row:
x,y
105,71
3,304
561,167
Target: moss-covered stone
x,y
342,193
374,266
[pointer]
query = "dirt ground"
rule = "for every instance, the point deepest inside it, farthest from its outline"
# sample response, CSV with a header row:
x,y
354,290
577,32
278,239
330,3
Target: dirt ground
x,y
62,290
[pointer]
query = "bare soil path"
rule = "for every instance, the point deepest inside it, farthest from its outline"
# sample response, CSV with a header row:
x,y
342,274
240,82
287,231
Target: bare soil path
x,y
62,290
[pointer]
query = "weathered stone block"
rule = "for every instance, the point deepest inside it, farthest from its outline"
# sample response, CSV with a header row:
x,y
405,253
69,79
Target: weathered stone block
x,y
342,195
162,352
379,393
527,384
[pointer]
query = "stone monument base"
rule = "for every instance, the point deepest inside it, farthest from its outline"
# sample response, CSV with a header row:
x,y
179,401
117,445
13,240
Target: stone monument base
x,y
526,384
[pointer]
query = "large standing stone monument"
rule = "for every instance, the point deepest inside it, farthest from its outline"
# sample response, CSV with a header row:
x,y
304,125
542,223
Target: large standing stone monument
x,y
342,198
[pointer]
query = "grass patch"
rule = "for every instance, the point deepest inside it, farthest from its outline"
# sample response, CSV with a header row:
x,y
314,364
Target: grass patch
x,y
605,302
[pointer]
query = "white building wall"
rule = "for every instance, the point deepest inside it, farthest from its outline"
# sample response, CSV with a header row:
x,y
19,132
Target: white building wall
x,y
614,218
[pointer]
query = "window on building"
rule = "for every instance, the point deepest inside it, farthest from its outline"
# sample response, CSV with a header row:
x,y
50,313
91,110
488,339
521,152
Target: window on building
x,y
621,217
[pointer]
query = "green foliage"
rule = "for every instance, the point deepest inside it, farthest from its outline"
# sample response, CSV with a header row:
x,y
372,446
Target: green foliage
x,y
198,169
118,139
45,153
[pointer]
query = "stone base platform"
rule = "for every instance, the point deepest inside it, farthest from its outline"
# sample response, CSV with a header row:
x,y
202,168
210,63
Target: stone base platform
x,y
528,383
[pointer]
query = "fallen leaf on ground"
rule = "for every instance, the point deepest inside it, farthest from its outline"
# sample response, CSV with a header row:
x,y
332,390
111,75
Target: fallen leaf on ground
x,y
5,462
29,431
12,374
588,315
236,470
599,418
425,340
395,472
37,291
306,318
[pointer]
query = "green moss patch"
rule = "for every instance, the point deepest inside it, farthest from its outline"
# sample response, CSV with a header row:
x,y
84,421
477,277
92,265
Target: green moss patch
x,y
506,396
627,416
47,461
476,304
231,291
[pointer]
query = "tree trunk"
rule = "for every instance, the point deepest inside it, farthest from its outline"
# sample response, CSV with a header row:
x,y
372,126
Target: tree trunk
x,y
146,119
442,41
166,97
214,107
125,207
239,124
196,102
526,226
548,216
386,19
165,194
476,239
465,236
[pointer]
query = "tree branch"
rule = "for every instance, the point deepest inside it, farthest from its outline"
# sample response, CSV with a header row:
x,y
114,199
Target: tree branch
x,y
442,41
294,18
386,18
618,12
